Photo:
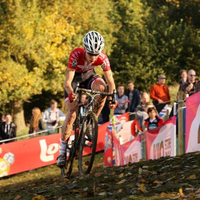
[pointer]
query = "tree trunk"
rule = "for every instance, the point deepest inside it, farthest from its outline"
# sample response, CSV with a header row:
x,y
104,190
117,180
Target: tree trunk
x,y
17,111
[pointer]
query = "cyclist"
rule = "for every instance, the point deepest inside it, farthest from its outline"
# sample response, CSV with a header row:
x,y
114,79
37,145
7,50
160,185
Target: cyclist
x,y
82,62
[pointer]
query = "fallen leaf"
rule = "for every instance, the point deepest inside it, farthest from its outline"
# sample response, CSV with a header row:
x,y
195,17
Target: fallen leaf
x,y
121,175
163,194
192,177
181,192
119,191
122,181
142,188
157,182
39,197
17,197
198,191
128,174
140,170
102,194
190,189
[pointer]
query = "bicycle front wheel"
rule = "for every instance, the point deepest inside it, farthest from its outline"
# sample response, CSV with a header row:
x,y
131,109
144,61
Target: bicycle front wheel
x,y
74,145
89,134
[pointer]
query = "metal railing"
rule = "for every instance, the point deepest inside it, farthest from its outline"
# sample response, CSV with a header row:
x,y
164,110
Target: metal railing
x,y
32,135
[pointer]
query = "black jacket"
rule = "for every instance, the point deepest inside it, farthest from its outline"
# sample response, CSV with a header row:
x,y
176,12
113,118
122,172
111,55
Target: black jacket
x,y
8,132
135,100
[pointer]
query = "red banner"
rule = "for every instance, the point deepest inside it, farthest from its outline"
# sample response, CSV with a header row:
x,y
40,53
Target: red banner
x,y
16,157
131,151
120,154
161,141
108,151
28,154
192,136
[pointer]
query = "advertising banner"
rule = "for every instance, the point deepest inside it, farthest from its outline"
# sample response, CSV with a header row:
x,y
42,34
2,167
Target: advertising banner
x,y
161,141
131,151
20,156
192,135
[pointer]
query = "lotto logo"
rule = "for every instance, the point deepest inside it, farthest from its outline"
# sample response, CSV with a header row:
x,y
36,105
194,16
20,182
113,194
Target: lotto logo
x,y
47,152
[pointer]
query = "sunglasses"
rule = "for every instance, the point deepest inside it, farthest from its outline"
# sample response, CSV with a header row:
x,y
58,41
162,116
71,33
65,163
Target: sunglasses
x,y
90,54
192,75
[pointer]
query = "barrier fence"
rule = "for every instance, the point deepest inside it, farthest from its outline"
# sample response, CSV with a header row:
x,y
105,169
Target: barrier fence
x,y
114,138
169,139
35,152
39,133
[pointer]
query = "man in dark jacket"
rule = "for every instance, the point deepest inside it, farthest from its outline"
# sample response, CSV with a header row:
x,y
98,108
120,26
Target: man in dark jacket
x,y
191,86
133,96
8,129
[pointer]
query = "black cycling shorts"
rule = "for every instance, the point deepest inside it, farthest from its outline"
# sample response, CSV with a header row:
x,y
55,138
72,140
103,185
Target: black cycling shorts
x,y
84,79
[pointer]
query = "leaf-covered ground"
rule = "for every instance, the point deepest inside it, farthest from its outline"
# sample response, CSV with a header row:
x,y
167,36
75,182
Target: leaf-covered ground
x,y
166,178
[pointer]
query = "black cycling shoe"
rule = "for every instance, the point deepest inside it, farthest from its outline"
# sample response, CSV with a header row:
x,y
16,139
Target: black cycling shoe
x,y
61,160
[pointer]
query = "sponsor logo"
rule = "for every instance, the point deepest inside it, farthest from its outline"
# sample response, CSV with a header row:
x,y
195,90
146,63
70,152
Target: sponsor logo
x,y
103,66
47,152
74,63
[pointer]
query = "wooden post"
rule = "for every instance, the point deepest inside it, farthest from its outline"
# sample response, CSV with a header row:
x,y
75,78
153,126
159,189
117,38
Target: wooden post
x,y
144,150
180,124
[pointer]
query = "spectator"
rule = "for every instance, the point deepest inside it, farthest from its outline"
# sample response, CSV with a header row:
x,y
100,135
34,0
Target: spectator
x,y
8,129
160,93
84,98
154,120
36,123
52,117
122,101
133,96
183,76
191,86
141,114
144,101
3,118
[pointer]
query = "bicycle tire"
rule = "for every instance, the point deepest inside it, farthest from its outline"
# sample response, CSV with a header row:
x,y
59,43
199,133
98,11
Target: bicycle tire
x,y
75,145
76,141
90,134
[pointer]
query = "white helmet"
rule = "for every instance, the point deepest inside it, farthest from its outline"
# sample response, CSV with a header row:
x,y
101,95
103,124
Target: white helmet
x,y
93,42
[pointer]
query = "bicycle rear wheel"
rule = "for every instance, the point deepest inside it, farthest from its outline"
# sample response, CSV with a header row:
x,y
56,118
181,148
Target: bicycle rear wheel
x,y
89,134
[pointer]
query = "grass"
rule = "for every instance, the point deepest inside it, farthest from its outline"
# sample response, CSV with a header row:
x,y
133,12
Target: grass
x,y
166,178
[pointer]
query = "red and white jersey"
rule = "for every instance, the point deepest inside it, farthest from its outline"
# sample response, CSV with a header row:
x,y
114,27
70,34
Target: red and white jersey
x,y
77,61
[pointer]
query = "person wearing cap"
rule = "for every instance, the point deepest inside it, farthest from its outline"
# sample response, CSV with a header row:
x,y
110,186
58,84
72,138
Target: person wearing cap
x,y
159,93
52,117
191,86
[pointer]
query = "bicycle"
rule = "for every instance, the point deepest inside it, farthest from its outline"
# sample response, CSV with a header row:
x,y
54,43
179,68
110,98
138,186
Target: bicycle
x,y
85,133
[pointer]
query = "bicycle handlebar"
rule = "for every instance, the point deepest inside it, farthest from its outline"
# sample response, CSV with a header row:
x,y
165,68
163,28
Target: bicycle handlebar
x,y
113,95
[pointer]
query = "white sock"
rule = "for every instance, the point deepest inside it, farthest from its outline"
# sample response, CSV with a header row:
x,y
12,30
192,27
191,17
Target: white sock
x,y
63,147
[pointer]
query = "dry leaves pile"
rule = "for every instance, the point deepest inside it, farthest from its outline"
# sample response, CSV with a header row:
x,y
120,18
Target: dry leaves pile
x,y
166,178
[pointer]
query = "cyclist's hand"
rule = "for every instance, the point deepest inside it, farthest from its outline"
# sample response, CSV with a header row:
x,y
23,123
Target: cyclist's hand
x,y
112,105
72,96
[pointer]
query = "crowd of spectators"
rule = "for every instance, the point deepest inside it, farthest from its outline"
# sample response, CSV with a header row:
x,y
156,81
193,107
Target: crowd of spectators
x,y
143,111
